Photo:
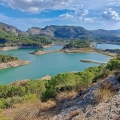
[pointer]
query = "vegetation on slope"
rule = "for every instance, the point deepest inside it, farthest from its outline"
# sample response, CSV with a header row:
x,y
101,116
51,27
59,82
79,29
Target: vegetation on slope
x,y
7,58
8,38
77,44
45,90
114,63
113,50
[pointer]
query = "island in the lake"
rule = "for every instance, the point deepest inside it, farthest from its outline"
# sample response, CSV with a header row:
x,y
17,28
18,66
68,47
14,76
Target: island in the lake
x,y
7,61
76,46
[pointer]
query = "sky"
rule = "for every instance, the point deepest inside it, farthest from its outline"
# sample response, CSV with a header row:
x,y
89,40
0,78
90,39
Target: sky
x,y
90,14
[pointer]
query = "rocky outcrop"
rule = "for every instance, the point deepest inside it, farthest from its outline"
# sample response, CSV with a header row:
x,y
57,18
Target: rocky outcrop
x,y
19,82
34,31
47,77
13,64
84,107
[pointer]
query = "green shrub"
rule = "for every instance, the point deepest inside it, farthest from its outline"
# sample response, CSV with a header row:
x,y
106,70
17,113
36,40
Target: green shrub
x,y
29,97
114,63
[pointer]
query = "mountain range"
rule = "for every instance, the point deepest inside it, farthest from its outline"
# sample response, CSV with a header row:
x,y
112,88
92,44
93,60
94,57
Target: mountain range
x,y
65,32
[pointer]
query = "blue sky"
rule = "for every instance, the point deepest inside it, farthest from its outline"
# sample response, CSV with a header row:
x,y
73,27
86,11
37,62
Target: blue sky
x,y
90,14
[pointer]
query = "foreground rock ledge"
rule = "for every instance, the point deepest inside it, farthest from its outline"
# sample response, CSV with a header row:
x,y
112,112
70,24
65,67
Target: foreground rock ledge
x,y
14,64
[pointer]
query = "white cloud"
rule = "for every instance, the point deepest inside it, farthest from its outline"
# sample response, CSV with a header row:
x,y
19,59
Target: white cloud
x,y
68,16
81,12
36,6
84,13
78,15
25,23
111,15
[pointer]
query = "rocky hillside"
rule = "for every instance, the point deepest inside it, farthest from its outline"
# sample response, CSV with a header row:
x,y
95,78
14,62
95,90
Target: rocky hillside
x,y
116,32
12,29
34,31
11,36
65,32
94,104
99,102
73,32
108,35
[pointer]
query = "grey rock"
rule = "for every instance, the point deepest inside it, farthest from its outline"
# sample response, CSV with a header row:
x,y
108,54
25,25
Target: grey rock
x,y
87,108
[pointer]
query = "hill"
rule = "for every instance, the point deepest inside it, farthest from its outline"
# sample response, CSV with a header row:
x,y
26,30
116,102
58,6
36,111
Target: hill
x,y
10,28
35,36
106,35
72,32
11,36
77,44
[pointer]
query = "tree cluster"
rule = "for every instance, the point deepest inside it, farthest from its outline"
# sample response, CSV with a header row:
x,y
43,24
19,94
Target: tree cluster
x,y
77,44
9,39
7,58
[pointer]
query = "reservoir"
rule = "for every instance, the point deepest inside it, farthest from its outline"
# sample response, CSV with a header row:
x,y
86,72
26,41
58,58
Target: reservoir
x,y
50,64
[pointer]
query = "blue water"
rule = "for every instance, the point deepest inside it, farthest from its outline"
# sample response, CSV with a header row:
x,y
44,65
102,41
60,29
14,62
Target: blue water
x,y
47,64
108,46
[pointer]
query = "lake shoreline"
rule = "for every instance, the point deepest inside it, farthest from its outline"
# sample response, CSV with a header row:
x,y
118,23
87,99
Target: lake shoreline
x,y
48,64
18,47
12,64
21,82
24,47
92,61
75,50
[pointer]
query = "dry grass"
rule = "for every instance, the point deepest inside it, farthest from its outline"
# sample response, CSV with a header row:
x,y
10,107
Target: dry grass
x,y
2,116
73,114
33,111
65,95
104,93
11,112
47,105
28,111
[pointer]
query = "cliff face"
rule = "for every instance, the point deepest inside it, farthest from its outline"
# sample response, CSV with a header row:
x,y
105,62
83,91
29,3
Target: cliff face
x,y
73,32
34,31
60,31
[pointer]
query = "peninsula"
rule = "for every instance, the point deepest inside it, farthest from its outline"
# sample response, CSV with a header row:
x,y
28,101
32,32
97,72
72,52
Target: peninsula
x,y
76,46
7,61
92,61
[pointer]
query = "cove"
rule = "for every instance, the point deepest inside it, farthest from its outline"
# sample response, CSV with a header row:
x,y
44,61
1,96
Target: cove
x,y
48,64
